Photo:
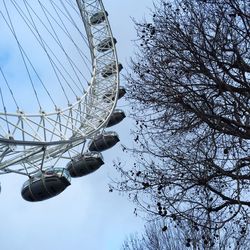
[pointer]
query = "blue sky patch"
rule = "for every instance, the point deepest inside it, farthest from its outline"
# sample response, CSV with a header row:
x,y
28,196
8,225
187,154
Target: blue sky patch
x,y
4,56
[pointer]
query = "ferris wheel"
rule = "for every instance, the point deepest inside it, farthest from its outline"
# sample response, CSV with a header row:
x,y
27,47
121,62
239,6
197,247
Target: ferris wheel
x,y
59,88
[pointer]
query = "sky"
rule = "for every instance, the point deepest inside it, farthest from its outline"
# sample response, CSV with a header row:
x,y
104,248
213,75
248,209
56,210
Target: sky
x,y
86,215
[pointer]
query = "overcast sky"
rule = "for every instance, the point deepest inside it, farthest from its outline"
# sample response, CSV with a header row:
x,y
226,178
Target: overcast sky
x,y
86,216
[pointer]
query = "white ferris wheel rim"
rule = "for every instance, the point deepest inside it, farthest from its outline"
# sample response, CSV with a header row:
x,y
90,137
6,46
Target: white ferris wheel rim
x,y
84,125
92,35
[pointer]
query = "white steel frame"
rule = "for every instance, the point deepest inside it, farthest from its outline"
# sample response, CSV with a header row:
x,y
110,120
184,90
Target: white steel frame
x,y
39,138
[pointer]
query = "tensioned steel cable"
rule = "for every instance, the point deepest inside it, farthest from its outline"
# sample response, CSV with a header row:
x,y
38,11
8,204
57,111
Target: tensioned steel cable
x,y
10,25
54,67
32,26
54,39
63,27
81,34
72,65
8,86
27,58
5,110
29,25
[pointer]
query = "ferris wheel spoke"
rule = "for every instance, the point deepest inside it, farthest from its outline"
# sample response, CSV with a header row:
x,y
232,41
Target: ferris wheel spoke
x,y
39,39
48,51
71,63
12,29
8,86
85,59
80,85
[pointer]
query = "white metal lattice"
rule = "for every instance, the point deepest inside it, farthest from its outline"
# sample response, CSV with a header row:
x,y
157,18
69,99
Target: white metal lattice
x,y
29,141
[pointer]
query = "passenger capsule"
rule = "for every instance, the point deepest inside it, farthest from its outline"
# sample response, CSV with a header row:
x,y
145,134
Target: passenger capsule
x,y
106,44
85,164
45,185
111,96
104,141
98,17
116,117
111,69
122,92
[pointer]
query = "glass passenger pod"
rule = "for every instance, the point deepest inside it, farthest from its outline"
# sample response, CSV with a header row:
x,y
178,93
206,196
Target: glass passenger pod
x,y
98,17
45,185
104,141
122,92
110,96
106,44
110,69
117,116
85,164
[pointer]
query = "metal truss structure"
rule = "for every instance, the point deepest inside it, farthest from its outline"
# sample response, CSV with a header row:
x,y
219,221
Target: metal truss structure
x,y
33,142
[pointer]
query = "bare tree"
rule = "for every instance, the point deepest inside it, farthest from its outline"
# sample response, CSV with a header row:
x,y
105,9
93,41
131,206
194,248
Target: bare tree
x,y
154,238
159,237
190,92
